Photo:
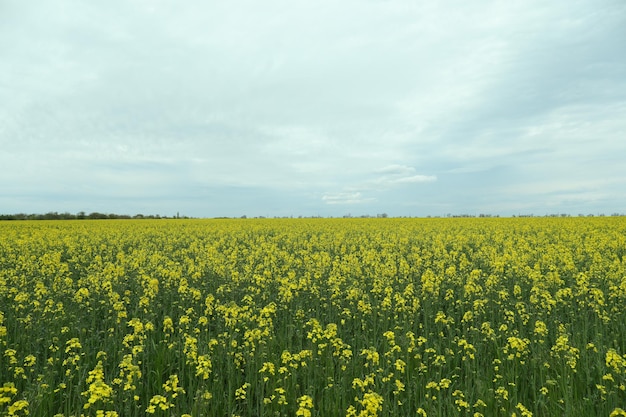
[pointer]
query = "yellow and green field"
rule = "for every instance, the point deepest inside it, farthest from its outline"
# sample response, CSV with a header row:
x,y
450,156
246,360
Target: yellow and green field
x,y
314,317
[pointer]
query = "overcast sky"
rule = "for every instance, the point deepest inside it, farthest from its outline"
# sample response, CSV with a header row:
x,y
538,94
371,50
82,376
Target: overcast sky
x,y
326,107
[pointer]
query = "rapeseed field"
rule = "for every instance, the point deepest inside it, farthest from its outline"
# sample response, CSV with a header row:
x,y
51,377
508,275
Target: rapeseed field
x,y
313,317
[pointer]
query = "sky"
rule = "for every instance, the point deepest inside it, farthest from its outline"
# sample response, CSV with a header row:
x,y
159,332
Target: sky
x,y
213,108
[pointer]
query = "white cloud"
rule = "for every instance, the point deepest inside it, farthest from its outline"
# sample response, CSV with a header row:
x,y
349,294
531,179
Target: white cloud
x,y
399,174
414,179
401,170
346,198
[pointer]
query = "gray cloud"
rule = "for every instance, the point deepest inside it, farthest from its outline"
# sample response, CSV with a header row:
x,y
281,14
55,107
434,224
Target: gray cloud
x,y
398,106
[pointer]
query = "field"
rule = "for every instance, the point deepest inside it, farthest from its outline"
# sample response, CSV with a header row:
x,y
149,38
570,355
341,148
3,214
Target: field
x,y
314,317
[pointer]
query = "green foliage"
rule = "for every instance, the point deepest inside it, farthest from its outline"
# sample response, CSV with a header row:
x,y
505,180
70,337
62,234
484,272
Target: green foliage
x,y
343,317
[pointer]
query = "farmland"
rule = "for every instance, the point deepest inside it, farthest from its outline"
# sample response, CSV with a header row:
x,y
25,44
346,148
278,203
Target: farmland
x,y
313,317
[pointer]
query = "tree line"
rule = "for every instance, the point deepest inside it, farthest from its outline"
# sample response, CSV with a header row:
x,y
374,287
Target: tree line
x,y
53,215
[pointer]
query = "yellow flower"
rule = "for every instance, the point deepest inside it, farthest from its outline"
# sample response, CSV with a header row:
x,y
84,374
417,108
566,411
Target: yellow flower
x,y
241,393
371,355
372,403
523,410
540,328
171,386
400,365
399,387
98,389
204,366
614,361
30,360
305,404
102,413
502,393
6,392
158,401
17,406
168,325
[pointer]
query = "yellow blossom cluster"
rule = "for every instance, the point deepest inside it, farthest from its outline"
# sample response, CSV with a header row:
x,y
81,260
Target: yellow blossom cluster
x,y
313,317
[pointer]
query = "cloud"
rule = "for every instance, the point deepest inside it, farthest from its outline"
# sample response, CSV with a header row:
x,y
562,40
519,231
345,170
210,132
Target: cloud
x,y
346,198
385,179
399,174
414,179
456,101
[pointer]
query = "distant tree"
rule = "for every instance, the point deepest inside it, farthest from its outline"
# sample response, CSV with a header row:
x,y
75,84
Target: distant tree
x,y
53,215
50,215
